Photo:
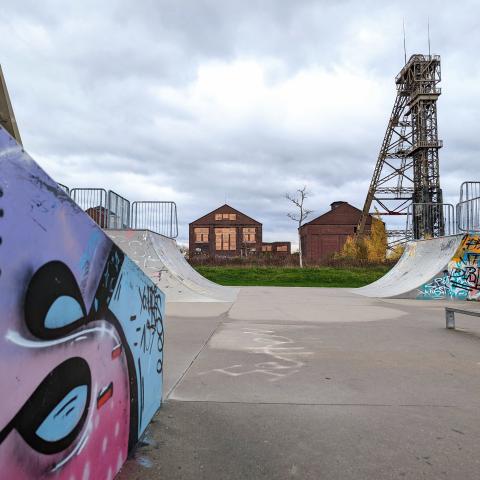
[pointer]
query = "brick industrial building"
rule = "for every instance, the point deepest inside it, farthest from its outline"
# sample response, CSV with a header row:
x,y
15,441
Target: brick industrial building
x,y
227,232
326,234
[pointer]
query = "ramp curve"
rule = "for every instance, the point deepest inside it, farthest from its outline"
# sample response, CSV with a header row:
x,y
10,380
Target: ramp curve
x,y
158,256
439,268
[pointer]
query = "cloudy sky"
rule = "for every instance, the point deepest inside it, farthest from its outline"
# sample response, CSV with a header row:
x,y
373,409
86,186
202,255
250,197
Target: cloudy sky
x,y
202,101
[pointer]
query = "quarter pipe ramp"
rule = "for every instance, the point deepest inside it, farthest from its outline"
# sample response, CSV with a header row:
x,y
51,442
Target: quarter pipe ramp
x,y
158,256
439,268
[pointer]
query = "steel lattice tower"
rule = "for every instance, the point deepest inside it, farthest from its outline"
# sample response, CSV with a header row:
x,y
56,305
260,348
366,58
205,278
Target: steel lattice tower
x,y
407,168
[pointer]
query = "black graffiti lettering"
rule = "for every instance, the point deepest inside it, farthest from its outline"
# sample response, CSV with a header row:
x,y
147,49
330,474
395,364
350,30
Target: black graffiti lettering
x,y
473,242
151,302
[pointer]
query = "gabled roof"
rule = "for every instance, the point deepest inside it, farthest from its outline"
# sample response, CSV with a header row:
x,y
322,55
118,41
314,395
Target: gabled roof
x,y
341,207
221,209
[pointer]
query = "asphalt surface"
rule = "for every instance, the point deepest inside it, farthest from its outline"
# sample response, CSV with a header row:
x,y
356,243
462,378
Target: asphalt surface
x,y
304,383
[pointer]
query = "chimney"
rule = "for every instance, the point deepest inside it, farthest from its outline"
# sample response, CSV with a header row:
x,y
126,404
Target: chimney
x,y
334,205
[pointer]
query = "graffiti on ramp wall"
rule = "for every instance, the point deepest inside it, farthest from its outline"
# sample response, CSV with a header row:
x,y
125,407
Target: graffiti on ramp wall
x,y
460,280
81,334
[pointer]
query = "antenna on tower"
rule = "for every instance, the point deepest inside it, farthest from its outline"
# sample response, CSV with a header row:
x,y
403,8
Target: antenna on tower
x,y
404,43
428,32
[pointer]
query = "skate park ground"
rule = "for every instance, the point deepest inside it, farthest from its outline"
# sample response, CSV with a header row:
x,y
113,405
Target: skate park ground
x,y
315,383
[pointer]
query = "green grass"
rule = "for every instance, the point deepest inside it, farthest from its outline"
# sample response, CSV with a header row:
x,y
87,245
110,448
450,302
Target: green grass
x,y
293,276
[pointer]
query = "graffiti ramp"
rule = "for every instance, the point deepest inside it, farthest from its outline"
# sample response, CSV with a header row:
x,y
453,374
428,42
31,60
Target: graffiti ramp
x,y
439,268
159,257
81,334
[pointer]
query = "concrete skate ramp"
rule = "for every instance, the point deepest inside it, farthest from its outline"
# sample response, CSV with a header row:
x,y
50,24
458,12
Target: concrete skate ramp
x,y
81,334
439,268
160,259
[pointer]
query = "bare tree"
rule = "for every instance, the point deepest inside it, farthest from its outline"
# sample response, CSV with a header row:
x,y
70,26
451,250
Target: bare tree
x,y
298,199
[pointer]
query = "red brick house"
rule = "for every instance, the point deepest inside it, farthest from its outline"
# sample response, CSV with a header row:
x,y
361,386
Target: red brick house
x,y
277,248
225,232
326,234
99,215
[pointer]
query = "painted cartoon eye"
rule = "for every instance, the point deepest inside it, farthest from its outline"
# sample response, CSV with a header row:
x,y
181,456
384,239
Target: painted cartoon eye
x,y
63,311
65,416
53,303
55,413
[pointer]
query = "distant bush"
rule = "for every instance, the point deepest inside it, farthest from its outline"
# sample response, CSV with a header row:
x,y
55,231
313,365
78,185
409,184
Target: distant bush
x,y
368,249
262,260
335,261
396,253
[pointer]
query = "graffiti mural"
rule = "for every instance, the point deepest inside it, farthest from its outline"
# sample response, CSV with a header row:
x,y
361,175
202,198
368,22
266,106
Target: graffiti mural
x,y
460,280
81,334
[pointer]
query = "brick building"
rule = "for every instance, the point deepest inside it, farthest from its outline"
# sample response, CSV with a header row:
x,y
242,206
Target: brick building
x,y
277,248
326,234
227,232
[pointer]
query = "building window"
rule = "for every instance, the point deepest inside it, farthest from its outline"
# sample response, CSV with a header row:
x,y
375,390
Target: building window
x,y
225,216
266,248
282,248
249,235
201,235
225,239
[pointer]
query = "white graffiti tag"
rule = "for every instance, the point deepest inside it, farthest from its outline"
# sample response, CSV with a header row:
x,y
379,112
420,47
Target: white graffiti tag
x,y
284,352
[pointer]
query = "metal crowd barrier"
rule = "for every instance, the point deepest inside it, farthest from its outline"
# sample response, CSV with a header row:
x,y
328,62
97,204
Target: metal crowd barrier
x,y
430,217
119,211
469,190
112,211
160,217
468,215
94,201
64,188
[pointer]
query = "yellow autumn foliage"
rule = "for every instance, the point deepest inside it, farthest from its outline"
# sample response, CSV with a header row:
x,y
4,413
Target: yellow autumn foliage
x,y
376,242
396,253
372,248
354,249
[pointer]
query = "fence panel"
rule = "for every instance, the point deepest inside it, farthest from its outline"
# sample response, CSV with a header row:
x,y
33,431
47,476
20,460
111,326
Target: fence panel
x,y
119,211
469,190
468,215
64,188
159,217
429,217
94,201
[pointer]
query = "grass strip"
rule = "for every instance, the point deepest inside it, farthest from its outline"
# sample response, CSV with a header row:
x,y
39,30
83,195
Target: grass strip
x,y
293,277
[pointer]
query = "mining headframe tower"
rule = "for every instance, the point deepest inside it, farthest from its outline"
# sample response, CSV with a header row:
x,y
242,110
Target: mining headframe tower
x,y
407,168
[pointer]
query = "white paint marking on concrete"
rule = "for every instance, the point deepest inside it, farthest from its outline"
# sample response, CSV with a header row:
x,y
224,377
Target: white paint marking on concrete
x,y
285,363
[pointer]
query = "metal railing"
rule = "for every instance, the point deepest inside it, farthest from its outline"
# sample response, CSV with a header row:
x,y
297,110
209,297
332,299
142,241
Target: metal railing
x,y
469,190
468,214
118,211
64,188
94,201
436,143
160,217
425,90
112,211
423,218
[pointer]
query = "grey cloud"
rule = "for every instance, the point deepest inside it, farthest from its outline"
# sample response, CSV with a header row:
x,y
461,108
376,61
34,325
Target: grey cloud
x,y
84,79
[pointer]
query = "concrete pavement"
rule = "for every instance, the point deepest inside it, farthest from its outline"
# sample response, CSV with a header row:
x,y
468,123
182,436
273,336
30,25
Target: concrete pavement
x,y
306,383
